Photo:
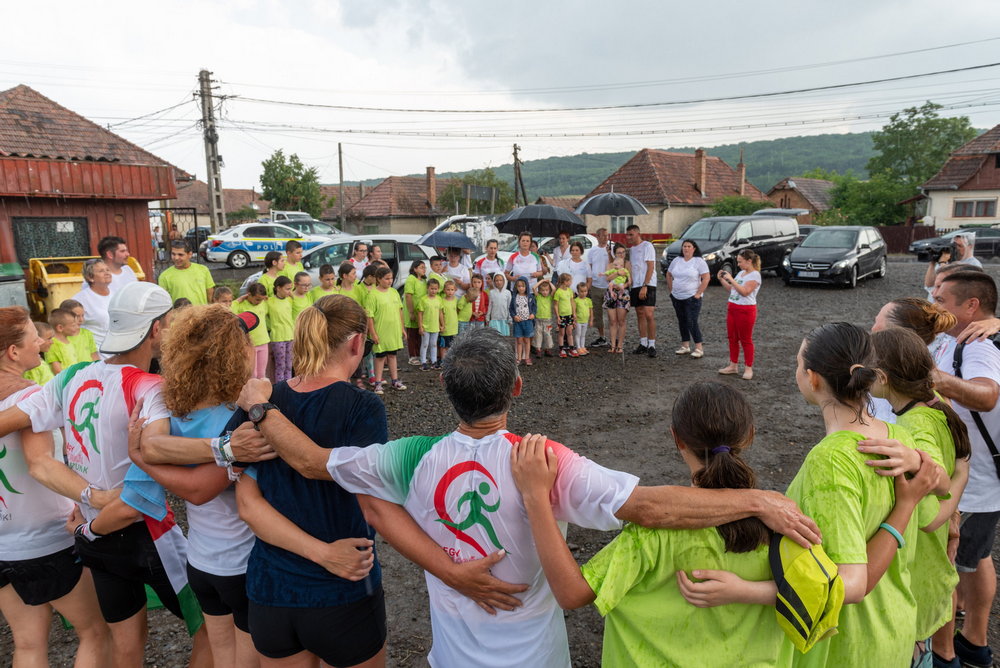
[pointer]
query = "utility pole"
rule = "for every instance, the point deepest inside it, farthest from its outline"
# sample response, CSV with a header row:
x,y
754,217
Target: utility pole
x,y
213,176
518,179
340,163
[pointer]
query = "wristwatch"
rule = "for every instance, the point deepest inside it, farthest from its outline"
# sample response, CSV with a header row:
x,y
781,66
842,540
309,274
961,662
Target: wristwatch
x,y
258,412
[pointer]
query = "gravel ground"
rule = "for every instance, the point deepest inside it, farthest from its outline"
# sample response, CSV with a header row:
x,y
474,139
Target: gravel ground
x,y
615,410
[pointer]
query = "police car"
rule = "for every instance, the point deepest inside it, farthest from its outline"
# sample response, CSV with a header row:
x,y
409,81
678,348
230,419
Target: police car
x,y
240,245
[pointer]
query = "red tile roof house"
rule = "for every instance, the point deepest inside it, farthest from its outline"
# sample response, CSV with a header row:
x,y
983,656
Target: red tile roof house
x,y
968,185
677,188
399,205
333,207
194,195
66,182
568,203
796,193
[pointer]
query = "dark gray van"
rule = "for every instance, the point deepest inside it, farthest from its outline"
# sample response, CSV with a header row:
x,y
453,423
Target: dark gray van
x,y
721,238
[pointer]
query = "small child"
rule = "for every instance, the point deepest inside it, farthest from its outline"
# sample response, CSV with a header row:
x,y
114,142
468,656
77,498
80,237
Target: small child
x,y
222,295
430,323
62,354
385,316
301,299
360,293
281,327
42,373
480,301
619,278
327,283
83,342
499,311
543,318
414,291
255,301
449,311
565,310
181,302
293,259
437,270
274,264
464,311
584,316
522,312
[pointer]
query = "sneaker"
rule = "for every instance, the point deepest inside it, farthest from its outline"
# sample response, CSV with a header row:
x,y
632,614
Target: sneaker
x,y
371,380
437,365
398,385
697,354
938,662
640,350
527,362
378,387
562,353
975,656
583,351
573,353
415,361
683,350
599,342
548,353
425,366
651,351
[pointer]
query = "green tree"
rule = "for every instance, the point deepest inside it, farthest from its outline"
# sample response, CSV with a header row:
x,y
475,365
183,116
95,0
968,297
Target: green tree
x,y
916,142
452,193
245,214
289,185
871,202
736,205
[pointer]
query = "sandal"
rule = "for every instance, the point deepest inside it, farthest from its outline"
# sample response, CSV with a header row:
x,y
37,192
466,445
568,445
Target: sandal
x,y
398,385
379,387
528,362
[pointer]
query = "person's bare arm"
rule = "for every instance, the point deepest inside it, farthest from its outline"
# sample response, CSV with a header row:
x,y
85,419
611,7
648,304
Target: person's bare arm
x,y
930,274
976,394
693,508
705,278
54,474
13,419
949,506
650,270
114,517
159,447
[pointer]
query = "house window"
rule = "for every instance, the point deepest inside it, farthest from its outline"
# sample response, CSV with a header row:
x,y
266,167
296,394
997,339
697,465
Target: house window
x,y
370,229
620,223
975,208
50,237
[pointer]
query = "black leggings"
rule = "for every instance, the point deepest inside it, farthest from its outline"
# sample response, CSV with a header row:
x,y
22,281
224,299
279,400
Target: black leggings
x,y
687,311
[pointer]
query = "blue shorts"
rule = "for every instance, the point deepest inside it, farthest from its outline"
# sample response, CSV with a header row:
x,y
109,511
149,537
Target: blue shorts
x,y
445,341
524,329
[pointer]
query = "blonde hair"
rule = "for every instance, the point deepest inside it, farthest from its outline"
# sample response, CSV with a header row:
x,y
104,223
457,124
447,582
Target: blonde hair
x,y
921,316
322,328
204,342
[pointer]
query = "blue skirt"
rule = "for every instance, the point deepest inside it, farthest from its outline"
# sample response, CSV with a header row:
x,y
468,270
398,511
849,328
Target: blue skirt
x,y
524,329
501,326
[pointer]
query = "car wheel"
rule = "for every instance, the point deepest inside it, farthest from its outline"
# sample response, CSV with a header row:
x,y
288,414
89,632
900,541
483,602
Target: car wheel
x,y
882,267
852,281
238,260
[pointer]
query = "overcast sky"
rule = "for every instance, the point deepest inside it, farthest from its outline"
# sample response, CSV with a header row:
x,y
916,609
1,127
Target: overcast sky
x,y
115,61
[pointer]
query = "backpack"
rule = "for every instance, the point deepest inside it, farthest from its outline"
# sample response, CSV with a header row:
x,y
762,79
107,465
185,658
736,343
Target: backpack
x,y
810,591
956,364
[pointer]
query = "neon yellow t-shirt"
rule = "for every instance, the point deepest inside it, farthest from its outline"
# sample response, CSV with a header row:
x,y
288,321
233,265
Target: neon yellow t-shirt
x,y
543,305
450,309
936,577
290,270
848,501
63,353
259,335
280,323
441,279
268,282
563,298
192,283
648,622
416,287
385,306
583,308
430,307
300,303
84,345
318,293
41,374
358,292
464,309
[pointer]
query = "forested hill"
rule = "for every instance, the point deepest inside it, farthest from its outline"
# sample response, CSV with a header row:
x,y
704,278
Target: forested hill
x,y
767,163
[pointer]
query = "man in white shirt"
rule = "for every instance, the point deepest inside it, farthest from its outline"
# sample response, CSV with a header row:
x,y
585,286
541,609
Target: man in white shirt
x,y
642,256
971,296
965,248
114,252
598,258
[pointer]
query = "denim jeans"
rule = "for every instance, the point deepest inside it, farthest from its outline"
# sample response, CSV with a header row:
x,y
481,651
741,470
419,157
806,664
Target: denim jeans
x,y
687,311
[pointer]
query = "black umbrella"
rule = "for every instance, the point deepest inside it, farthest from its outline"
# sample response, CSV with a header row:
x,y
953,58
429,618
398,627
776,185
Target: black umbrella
x,y
446,240
543,220
611,204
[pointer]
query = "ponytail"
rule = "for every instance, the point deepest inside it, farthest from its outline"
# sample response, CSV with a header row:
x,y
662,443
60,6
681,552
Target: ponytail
x,y
921,316
842,354
321,328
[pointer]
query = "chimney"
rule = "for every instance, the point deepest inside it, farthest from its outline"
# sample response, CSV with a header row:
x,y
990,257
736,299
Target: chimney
x,y
700,171
431,188
361,189
741,171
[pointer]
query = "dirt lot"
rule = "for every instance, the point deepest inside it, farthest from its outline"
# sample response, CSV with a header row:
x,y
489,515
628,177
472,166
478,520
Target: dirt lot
x,y
615,410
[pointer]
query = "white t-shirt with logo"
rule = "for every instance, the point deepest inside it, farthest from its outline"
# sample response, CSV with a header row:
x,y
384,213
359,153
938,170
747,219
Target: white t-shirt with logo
x,y
980,359
461,492
93,402
597,258
639,255
485,266
524,265
580,271
685,275
741,279
32,517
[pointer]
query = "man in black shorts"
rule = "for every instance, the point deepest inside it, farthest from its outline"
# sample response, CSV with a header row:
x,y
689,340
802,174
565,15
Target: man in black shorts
x,y
642,257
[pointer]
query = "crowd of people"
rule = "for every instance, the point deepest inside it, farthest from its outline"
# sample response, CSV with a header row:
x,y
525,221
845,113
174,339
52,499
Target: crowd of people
x,y
287,483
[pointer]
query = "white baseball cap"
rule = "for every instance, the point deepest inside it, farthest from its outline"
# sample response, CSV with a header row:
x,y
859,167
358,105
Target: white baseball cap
x,y
131,313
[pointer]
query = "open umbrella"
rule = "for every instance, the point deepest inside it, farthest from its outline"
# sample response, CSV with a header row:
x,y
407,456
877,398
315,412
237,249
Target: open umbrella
x,y
612,204
543,220
446,240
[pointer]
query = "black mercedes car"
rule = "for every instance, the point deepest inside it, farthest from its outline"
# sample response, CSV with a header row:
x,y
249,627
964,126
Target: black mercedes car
x,y
837,255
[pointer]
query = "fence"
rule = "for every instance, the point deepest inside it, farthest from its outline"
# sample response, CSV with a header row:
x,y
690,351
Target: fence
x,y
899,237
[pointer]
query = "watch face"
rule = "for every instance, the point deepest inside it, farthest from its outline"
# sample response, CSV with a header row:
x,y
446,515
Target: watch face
x,y
256,412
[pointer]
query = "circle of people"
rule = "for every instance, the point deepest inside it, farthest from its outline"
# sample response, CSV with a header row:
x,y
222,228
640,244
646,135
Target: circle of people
x,y
286,485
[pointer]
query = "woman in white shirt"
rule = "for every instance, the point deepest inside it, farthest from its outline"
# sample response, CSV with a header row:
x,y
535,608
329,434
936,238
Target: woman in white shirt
x,y
687,278
742,312
95,298
575,265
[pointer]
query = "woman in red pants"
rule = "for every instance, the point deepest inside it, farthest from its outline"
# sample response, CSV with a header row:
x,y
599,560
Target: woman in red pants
x,y
742,313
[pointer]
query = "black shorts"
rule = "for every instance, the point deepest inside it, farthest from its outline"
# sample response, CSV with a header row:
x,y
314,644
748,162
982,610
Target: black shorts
x,y
650,299
343,635
975,540
387,353
221,595
42,579
445,341
122,563
565,321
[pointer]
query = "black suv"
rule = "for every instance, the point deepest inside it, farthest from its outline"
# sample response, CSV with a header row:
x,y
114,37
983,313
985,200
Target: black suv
x,y
839,254
720,239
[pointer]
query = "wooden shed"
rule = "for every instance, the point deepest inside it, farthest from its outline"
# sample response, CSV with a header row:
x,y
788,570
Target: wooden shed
x,y
66,182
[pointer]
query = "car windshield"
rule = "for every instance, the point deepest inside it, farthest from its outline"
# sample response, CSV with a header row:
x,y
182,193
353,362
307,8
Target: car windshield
x,y
509,246
830,239
323,228
710,230
291,215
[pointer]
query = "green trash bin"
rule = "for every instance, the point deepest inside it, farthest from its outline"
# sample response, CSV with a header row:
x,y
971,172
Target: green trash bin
x,y
12,285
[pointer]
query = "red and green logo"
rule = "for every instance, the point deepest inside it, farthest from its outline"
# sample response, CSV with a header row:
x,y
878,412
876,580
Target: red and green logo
x,y
475,502
82,413
3,480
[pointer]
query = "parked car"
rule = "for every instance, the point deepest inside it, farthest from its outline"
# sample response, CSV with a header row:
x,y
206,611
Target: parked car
x,y
316,228
805,231
840,254
721,238
196,235
250,242
285,216
398,250
987,243
545,245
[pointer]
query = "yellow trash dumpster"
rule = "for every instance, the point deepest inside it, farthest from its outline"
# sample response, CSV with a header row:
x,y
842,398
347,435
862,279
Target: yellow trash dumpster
x,y
54,279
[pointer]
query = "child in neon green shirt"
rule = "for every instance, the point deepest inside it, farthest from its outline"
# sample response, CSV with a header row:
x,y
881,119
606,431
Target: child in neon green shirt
x,y
62,353
449,311
566,310
281,327
584,317
543,318
301,300
327,284
42,373
430,322
83,341
255,301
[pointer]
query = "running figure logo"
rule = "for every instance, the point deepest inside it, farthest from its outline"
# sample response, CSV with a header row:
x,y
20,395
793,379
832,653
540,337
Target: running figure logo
x,y
4,481
474,500
82,414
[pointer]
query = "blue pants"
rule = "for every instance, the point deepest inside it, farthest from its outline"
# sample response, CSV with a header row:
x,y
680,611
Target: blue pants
x,y
687,311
